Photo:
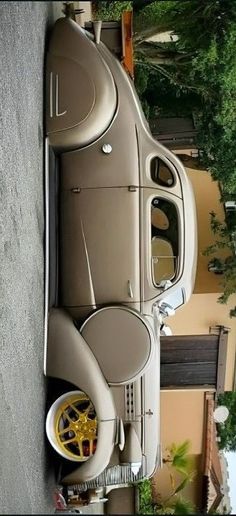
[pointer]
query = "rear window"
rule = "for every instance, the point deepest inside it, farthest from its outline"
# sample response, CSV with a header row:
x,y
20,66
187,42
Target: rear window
x,y
161,173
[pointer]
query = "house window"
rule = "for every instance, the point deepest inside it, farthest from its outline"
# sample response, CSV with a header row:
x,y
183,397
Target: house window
x,y
161,173
164,240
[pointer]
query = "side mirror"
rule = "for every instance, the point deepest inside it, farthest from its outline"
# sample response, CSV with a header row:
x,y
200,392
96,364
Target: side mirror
x,y
165,309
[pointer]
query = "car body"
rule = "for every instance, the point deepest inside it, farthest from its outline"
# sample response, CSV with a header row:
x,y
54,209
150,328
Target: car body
x,y
123,224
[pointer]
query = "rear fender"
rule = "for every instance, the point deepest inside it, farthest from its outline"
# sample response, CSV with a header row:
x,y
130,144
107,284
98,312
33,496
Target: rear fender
x,y
81,97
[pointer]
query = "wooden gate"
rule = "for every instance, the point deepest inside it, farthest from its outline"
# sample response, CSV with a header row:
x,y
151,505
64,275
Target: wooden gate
x,y
194,360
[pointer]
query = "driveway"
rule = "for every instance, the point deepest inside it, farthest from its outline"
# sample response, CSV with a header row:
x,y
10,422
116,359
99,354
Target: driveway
x,y
26,476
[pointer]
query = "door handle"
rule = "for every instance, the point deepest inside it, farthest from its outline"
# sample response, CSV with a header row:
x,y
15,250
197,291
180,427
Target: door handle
x,y
130,290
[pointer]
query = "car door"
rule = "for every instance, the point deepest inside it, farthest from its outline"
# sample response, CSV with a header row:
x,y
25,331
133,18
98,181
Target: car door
x,y
111,161
99,246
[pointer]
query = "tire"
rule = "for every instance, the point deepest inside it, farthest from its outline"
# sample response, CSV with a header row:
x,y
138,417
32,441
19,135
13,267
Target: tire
x,y
71,426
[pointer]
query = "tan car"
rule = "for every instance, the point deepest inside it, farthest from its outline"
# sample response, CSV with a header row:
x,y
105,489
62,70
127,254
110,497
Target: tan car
x,y
121,255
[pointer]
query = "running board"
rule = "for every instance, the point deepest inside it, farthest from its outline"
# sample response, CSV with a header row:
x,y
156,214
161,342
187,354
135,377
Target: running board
x,y
51,188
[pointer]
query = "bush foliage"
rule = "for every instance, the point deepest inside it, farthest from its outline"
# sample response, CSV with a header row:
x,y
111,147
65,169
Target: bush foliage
x,y
227,430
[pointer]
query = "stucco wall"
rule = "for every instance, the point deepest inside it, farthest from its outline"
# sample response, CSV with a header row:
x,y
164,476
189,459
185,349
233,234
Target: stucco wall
x,y
207,196
182,417
182,414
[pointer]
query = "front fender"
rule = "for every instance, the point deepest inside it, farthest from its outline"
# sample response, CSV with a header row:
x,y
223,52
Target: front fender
x,y
93,467
69,358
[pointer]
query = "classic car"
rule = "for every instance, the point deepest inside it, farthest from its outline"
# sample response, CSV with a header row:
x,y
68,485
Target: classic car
x,y
120,257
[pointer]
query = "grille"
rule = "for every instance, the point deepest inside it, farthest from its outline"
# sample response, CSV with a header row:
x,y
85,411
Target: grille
x,y
129,402
114,475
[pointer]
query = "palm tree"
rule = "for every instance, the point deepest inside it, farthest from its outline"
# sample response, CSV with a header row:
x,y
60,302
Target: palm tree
x,y
178,457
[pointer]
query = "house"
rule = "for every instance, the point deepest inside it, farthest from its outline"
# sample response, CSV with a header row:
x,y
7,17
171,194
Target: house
x,y
198,362
203,317
208,489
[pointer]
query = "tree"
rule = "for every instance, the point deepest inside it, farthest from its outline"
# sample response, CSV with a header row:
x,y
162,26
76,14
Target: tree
x,y
201,63
140,4
193,75
225,266
177,459
151,19
206,19
107,10
227,430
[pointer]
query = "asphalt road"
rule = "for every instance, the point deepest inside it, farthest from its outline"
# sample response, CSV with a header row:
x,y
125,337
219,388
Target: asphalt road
x,y
26,476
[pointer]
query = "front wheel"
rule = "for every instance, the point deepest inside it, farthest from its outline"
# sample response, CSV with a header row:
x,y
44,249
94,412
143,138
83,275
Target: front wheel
x,y
71,426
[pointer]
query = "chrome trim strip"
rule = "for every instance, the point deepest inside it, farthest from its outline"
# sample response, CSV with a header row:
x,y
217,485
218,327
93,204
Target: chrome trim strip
x,y
130,412
57,98
46,261
93,300
51,95
130,290
115,475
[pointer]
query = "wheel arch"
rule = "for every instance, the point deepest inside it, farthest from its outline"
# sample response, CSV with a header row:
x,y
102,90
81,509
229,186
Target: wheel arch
x,y
81,95
69,358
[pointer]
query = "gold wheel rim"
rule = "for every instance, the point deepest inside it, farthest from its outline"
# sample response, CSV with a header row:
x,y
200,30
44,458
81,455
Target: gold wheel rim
x,y
76,427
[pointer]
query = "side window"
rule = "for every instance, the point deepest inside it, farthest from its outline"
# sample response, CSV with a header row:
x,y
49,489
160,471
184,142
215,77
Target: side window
x,y
161,173
164,240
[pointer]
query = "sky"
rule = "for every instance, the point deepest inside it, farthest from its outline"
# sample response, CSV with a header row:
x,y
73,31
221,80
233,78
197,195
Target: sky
x,y
231,459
